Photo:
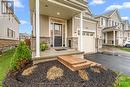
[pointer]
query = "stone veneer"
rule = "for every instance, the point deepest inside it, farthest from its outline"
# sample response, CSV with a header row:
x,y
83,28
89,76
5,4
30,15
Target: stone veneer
x,y
6,44
74,42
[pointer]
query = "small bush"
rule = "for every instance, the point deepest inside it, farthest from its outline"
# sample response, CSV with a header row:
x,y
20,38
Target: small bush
x,y
21,57
43,46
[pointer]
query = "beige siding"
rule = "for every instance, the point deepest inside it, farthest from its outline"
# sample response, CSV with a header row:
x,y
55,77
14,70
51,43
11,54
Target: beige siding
x,y
6,22
44,26
88,25
115,17
69,28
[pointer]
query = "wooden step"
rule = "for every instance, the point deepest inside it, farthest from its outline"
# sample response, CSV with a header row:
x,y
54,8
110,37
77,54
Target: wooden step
x,y
81,66
94,63
72,60
75,64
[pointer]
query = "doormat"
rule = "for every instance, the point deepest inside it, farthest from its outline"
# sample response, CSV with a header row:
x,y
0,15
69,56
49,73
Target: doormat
x,y
60,49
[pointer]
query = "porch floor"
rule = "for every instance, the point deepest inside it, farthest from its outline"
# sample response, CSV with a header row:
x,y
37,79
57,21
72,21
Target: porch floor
x,y
53,54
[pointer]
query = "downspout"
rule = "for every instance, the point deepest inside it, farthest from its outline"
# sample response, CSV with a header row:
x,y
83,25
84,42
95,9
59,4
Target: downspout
x,y
96,36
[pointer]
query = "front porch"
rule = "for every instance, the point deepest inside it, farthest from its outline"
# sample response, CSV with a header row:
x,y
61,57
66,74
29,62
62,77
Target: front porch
x,y
53,53
112,36
53,23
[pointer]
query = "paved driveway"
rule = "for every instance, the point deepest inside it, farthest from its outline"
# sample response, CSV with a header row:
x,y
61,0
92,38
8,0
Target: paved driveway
x,y
116,63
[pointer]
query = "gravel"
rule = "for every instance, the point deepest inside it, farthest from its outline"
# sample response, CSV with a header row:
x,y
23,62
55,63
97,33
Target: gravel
x,y
105,78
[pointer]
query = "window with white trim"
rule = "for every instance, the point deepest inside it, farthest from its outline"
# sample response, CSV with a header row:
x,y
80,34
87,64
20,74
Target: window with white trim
x,y
10,33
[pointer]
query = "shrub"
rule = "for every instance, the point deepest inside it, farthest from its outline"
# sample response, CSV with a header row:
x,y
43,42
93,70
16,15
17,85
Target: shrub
x,y
21,57
43,46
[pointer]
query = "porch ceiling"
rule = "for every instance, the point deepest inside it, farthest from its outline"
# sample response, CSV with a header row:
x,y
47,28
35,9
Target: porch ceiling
x,y
57,8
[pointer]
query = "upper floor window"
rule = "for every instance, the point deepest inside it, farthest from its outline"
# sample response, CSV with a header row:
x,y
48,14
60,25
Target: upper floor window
x,y
112,23
101,21
10,33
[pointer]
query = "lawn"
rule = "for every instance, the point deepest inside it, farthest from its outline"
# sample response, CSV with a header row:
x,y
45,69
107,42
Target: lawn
x,y
125,49
5,64
123,81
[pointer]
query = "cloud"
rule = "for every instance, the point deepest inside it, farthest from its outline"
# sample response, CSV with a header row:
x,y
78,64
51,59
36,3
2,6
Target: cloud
x,y
126,4
125,18
111,7
97,2
23,22
18,4
118,6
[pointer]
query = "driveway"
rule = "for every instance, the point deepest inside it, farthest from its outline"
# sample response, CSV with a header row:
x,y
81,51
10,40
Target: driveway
x,y
116,63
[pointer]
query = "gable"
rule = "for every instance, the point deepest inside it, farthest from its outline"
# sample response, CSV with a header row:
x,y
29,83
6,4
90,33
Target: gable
x,y
88,11
115,16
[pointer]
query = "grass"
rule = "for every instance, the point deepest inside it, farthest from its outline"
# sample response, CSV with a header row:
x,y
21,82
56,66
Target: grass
x,y
123,81
125,49
5,59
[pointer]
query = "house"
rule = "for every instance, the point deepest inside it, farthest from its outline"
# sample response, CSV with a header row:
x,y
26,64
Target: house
x,y
111,28
126,30
63,23
9,27
24,36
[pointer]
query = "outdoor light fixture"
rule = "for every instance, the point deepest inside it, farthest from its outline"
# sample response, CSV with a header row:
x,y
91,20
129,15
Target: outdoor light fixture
x,y
58,13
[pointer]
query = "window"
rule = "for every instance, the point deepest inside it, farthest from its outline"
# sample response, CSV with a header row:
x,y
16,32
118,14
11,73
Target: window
x,y
101,21
10,33
112,23
109,23
104,22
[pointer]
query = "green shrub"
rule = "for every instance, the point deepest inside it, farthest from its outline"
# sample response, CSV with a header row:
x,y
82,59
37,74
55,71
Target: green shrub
x,y
21,56
43,46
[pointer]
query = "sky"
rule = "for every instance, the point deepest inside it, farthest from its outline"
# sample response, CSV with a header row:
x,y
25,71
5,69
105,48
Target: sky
x,y
96,6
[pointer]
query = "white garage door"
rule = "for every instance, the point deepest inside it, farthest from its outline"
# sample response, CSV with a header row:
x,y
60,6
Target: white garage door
x,y
88,42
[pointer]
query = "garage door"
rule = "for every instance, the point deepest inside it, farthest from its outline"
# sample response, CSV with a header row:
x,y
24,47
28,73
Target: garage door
x,y
88,42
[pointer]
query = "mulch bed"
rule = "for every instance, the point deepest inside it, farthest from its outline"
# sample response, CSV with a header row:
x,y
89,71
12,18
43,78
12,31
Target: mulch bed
x,y
105,78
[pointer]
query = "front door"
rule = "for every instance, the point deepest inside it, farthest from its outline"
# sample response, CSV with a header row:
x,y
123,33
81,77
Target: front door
x,y
57,35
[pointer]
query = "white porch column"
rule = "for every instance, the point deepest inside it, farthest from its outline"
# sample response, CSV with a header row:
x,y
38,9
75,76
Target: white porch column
x,y
81,29
119,38
37,29
114,42
106,38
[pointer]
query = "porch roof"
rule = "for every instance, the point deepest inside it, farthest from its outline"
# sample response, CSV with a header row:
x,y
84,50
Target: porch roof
x,y
113,28
64,9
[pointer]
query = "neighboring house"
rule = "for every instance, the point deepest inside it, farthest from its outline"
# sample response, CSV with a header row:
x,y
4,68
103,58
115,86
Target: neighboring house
x,y
63,23
24,36
9,29
111,28
126,30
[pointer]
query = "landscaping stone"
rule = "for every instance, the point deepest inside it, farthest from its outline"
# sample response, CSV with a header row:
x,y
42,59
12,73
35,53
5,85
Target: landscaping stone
x,y
29,70
105,78
83,74
95,69
54,73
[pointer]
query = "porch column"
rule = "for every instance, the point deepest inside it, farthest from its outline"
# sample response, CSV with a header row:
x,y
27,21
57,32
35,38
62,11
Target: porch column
x,y
114,42
106,38
119,38
81,29
37,29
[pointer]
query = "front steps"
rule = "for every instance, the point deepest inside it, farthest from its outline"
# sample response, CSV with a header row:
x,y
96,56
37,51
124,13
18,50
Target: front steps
x,y
75,63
